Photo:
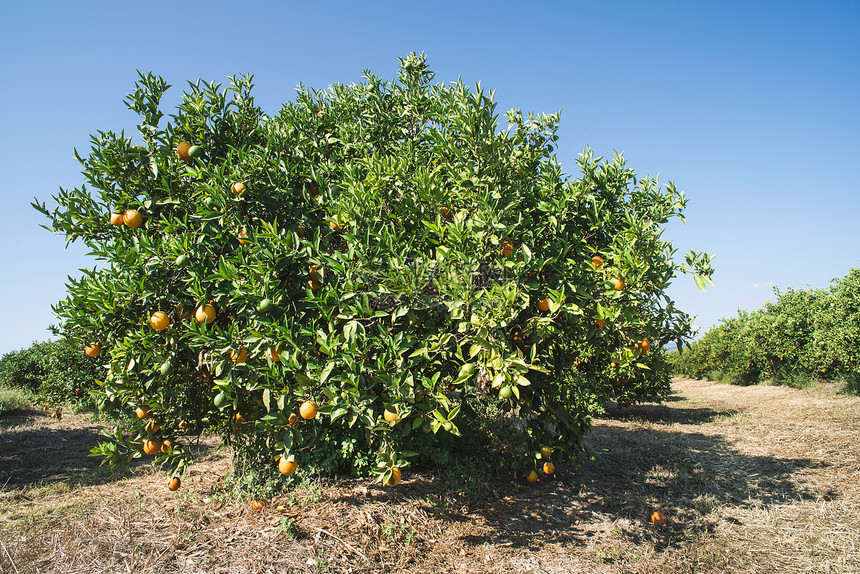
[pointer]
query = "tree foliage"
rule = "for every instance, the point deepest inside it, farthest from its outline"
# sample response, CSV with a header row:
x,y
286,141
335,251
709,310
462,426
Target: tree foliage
x,y
802,336
390,248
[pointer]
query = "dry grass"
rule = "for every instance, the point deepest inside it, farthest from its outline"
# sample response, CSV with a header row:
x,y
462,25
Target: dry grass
x,y
753,479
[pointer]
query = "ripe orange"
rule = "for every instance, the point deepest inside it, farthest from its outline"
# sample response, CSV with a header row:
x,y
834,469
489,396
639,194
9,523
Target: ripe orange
x,y
617,283
240,189
142,411
601,323
545,452
257,504
507,249
543,304
659,518
151,446
395,477
548,468
447,213
159,321
152,426
174,484
336,223
644,346
293,420
390,416
313,272
241,357
116,218
184,425
132,218
597,261
182,151
243,237
93,350
308,410
532,476
205,313
314,285
238,417
166,446
287,465
184,311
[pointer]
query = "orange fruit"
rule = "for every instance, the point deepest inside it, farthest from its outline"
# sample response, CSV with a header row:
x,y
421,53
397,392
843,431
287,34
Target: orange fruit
x,y
447,213
159,321
151,446
257,504
242,237
132,218
142,412
184,426
166,446
174,484
548,468
597,261
601,323
532,476
152,426
390,416
308,410
205,313
543,304
182,151
313,190
287,465
238,417
93,350
313,272
241,356
240,189
507,249
395,477
644,346
116,219
293,420
617,284
184,311
314,285
336,223
659,518
545,452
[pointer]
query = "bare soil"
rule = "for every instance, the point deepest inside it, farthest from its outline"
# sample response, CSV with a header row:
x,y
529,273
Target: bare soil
x,y
753,479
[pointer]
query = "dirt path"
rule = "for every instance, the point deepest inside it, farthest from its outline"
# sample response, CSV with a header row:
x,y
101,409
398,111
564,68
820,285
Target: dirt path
x,y
753,479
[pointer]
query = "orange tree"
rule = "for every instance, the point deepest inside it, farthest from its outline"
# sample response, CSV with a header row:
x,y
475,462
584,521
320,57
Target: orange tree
x,y
802,336
384,251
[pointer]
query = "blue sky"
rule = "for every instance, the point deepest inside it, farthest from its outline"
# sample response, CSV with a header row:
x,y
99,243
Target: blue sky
x,y
751,108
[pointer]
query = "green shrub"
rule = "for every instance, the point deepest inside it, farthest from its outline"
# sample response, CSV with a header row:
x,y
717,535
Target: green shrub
x,y
394,248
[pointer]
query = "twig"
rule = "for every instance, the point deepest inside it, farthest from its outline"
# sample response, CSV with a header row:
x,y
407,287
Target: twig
x,y
12,562
342,541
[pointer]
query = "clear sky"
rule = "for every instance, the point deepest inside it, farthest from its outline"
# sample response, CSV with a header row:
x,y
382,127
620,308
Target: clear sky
x,y
751,108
